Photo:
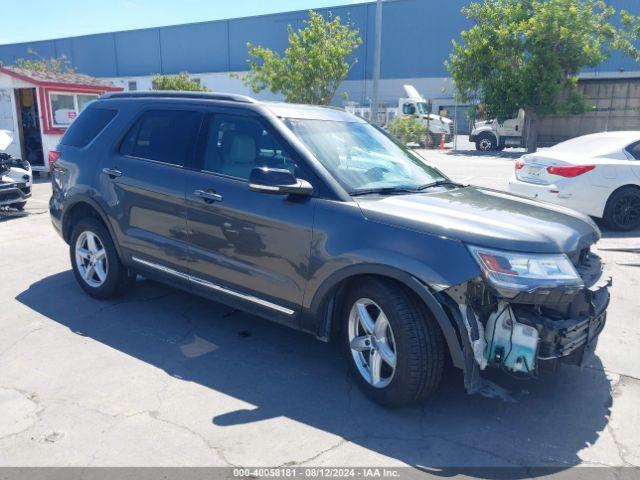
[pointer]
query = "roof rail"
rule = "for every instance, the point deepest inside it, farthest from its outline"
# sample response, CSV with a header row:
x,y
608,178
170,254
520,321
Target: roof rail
x,y
229,97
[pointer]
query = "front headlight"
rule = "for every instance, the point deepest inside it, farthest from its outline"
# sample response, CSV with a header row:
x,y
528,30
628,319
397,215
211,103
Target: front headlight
x,y
514,272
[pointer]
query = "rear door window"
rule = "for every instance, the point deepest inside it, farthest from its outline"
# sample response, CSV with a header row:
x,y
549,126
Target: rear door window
x,y
167,136
87,126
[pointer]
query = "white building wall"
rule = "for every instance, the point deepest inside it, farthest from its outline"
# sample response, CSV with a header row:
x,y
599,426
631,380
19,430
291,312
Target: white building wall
x,y
8,110
439,90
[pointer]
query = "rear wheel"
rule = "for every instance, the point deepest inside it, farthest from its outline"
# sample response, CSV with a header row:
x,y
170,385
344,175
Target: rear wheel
x,y
394,348
622,211
95,262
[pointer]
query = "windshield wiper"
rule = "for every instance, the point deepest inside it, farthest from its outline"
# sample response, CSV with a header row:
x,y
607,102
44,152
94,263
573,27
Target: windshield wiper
x,y
438,183
392,190
382,191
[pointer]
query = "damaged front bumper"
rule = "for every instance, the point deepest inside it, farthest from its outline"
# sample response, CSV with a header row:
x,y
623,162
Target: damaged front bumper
x,y
521,333
14,192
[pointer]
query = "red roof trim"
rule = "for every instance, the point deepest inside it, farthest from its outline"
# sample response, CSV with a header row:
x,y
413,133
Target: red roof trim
x,y
11,73
92,88
81,87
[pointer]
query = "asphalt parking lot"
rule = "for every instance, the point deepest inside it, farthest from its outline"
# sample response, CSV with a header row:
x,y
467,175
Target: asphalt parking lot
x,y
160,377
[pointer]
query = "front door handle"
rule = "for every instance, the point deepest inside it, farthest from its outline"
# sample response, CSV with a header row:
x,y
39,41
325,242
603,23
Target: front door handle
x,y
208,196
112,172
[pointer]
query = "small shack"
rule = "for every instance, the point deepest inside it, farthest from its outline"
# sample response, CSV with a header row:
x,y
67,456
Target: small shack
x,y
38,107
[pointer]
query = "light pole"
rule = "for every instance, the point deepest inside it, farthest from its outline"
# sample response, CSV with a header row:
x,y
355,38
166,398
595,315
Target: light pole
x,y
376,63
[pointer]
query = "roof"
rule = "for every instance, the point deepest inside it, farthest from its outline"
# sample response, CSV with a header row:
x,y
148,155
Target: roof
x,y
230,97
596,144
311,112
55,78
619,136
279,109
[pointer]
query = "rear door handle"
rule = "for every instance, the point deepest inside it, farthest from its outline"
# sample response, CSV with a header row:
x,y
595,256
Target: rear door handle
x,y
208,196
112,172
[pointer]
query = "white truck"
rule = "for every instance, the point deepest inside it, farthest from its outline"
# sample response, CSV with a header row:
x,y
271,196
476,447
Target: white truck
x,y
414,104
493,135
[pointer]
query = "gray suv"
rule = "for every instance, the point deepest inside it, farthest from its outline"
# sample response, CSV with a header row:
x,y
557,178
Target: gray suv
x,y
313,218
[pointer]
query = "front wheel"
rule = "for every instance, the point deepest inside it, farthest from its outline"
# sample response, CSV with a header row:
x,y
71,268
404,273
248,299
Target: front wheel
x,y
430,141
486,142
95,262
18,206
622,211
394,348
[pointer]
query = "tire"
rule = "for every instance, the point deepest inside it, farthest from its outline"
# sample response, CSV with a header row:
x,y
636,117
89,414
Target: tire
x,y
486,142
18,206
622,212
430,141
115,278
415,340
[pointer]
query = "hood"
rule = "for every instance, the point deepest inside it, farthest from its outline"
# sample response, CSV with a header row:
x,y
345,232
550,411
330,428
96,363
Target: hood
x,y
6,138
411,92
437,118
487,218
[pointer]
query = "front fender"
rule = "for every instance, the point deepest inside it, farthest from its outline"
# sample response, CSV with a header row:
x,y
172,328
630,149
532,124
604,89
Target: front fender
x,y
485,128
322,323
346,244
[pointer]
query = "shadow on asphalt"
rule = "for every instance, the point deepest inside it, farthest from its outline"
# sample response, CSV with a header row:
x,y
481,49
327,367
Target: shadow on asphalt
x,y
610,234
492,154
11,213
285,373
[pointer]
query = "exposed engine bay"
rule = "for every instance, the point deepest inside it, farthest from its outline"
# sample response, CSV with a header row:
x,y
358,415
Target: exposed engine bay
x,y
16,176
516,326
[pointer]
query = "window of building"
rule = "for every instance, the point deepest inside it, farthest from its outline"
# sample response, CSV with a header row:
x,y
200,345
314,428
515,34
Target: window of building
x,y
236,145
166,136
87,127
133,86
65,107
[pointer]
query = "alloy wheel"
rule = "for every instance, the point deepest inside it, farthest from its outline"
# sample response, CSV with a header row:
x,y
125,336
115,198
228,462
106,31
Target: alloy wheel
x,y
372,343
91,259
626,211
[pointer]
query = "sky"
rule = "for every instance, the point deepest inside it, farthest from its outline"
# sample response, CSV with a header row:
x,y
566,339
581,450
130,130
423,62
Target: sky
x,y
45,19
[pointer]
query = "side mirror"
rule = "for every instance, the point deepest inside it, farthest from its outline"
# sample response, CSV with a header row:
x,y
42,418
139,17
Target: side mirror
x,y
278,181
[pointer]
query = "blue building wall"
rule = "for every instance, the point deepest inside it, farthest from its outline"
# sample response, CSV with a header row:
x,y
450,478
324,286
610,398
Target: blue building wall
x,y
416,36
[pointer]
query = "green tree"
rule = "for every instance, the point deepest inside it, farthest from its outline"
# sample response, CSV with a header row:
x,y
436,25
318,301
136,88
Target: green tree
x,y
528,54
408,129
313,66
181,81
41,64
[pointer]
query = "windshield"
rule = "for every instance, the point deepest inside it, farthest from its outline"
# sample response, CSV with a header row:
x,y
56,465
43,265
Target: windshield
x,y
361,158
422,108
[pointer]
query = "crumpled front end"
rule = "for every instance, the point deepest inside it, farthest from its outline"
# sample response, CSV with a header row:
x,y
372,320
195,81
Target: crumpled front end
x,y
15,180
519,330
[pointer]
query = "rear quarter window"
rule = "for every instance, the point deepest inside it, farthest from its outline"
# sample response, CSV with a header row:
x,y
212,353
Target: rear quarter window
x,y
634,150
87,126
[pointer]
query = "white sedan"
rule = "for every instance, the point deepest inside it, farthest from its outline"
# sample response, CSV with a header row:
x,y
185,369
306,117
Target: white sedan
x,y
597,174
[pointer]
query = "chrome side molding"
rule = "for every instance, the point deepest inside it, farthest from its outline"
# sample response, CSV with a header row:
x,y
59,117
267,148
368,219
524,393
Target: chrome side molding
x,y
213,286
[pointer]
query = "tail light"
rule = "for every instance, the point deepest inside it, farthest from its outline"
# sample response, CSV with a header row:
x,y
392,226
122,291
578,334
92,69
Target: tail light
x,y
54,155
570,171
519,165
